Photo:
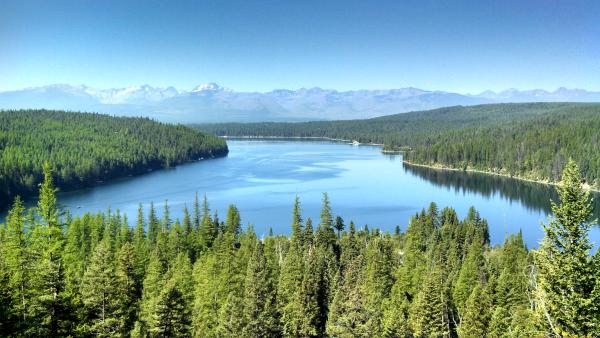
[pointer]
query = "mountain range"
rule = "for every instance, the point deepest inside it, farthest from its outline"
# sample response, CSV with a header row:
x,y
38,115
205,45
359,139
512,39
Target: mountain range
x,y
213,103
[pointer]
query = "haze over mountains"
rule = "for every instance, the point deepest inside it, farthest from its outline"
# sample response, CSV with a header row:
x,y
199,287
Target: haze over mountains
x,y
213,103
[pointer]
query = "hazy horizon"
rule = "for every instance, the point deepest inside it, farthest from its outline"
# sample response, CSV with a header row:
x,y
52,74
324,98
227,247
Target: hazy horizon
x,y
200,84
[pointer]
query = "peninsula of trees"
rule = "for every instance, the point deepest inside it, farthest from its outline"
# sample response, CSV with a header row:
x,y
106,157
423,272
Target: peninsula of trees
x,y
199,276
527,140
87,148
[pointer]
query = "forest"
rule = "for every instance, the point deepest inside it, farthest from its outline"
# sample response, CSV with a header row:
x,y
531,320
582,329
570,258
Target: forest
x,y
201,276
87,148
527,140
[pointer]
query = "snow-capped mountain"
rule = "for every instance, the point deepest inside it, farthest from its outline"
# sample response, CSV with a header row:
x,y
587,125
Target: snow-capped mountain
x,y
210,102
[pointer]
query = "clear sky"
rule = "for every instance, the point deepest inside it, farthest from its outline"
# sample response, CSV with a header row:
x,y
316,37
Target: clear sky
x,y
461,46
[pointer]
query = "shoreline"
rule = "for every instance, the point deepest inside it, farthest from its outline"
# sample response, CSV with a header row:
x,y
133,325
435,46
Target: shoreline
x,y
323,138
391,152
468,170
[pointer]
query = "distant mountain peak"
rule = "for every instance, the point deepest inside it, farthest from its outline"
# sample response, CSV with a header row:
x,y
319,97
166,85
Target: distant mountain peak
x,y
211,86
210,102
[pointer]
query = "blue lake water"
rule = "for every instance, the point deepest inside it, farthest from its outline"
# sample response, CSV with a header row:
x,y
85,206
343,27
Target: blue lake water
x,y
262,177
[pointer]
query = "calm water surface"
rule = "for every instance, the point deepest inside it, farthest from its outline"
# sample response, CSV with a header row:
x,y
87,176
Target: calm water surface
x,y
262,177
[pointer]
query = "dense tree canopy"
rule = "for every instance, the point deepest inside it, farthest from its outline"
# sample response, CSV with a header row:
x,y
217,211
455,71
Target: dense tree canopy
x,y
95,275
529,140
86,148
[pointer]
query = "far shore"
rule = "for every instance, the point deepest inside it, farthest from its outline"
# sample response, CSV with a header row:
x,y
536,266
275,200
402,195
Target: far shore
x,y
430,166
471,170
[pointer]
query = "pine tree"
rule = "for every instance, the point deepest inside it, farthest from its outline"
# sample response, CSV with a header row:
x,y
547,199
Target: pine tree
x,y
172,315
189,235
377,282
153,224
349,314
476,316
7,322
261,317
325,234
208,231
196,218
409,279
233,222
566,273
140,244
429,312
231,317
99,293
339,225
48,307
18,262
290,280
310,299
153,284
471,273
297,221
128,286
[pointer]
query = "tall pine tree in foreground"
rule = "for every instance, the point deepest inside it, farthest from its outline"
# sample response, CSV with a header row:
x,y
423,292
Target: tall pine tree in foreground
x,y
48,306
567,275
259,297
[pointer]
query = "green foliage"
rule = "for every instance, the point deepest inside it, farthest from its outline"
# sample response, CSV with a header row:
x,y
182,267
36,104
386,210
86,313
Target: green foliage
x,y
94,276
261,317
86,148
567,273
100,294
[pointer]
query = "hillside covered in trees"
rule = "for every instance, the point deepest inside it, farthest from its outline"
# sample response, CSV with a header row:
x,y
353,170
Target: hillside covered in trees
x,y
528,140
86,148
200,276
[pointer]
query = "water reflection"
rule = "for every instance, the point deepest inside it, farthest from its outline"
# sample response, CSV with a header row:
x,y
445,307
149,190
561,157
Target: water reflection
x,y
533,196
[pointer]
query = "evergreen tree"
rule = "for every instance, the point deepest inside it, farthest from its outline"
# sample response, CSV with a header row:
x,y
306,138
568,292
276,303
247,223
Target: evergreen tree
x,y
47,306
476,316
429,312
208,231
172,315
153,285
231,317
339,225
325,234
297,221
566,273
7,322
290,280
153,224
140,245
471,274
310,299
18,262
128,287
349,314
261,317
377,282
99,293
233,222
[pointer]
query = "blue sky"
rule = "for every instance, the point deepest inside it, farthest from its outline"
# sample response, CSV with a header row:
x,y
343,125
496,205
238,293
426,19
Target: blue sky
x,y
461,46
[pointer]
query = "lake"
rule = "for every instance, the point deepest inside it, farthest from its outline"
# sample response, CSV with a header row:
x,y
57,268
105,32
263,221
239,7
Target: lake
x,y
262,177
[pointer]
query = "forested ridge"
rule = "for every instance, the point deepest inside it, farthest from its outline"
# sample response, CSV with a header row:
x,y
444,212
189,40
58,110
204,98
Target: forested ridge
x,y
85,148
201,276
528,140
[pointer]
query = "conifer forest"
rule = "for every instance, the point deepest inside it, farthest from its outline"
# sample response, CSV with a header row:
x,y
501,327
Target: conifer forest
x,y
109,275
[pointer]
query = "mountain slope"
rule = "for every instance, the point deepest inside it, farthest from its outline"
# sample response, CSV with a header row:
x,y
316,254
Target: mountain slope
x,y
212,103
